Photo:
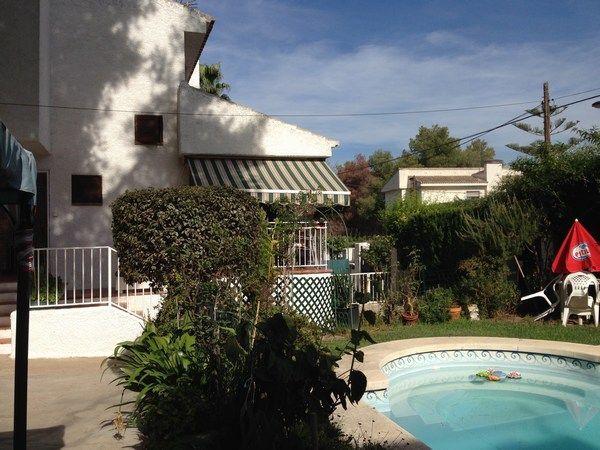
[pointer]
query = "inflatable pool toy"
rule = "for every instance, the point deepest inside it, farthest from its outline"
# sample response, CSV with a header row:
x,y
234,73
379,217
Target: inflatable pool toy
x,y
491,375
514,375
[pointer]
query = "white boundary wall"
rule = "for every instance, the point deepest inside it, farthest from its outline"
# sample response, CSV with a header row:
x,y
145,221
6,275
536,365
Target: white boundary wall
x,y
91,331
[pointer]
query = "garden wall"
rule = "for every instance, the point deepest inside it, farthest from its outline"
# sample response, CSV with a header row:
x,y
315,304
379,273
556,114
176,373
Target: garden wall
x,y
90,331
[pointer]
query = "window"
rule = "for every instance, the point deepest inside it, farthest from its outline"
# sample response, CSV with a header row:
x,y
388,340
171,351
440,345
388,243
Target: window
x,y
473,194
86,189
148,129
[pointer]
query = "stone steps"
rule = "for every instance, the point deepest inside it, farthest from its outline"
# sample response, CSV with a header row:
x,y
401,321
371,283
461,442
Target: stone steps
x,y
8,303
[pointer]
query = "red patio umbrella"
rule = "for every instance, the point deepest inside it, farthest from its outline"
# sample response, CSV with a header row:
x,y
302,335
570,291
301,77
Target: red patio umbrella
x,y
578,252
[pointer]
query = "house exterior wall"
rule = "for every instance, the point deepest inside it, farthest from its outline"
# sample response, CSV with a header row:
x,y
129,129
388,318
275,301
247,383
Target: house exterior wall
x,y
19,76
487,179
447,194
106,54
209,125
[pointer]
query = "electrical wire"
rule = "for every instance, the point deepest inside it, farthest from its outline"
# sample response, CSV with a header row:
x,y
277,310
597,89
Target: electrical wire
x,y
357,114
472,137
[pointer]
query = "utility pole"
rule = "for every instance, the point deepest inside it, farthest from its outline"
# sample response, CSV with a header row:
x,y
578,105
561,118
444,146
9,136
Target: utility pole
x,y
546,112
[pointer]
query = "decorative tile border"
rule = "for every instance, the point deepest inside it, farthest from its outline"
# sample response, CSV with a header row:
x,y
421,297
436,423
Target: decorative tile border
x,y
488,357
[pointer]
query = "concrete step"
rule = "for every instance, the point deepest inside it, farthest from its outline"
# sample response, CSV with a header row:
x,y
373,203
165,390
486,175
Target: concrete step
x,y
5,333
8,286
8,297
4,321
5,349
6,309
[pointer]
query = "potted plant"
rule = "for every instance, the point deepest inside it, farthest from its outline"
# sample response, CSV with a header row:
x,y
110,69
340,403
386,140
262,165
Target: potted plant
x,y
409,285
410,315
455,311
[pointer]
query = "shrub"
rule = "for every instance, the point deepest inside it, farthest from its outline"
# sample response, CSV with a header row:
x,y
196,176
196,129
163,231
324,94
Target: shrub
x,y
378,254
486,283
175,235
293,378
337,244
432,231
167,373
434,305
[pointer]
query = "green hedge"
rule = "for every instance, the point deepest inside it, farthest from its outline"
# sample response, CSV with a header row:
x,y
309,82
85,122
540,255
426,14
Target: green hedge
x,y
432,230
173,235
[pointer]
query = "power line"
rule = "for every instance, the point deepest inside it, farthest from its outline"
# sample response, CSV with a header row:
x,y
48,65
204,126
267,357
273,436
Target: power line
x,y
358,114
466,139
576,93
472,137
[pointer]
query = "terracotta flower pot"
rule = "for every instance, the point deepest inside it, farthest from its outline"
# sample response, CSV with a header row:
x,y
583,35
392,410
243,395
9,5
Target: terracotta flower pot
x,y
409,319
455,312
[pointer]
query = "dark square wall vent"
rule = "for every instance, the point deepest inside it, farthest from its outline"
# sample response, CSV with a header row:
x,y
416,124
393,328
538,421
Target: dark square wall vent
x,y
148,129
86,190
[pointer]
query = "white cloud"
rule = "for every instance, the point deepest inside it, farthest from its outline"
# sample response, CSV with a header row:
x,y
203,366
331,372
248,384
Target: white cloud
x,y
291,73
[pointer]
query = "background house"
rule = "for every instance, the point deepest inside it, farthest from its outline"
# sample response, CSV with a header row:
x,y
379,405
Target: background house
x,y
445,184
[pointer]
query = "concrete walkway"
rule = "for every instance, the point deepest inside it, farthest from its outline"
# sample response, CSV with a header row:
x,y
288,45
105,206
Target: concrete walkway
x,y
67,405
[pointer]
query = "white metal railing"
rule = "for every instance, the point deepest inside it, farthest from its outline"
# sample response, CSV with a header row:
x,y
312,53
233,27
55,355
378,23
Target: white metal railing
x,y
72,276
307,246
374,283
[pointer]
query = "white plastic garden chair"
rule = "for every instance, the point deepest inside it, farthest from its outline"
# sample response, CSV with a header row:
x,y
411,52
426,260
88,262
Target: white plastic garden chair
x,y
578,301
552,288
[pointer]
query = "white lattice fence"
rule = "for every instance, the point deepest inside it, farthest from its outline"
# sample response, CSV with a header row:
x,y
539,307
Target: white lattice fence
x,y
308,295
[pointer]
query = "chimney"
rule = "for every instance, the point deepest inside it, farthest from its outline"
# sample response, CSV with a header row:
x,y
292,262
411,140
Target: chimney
x,y
493,173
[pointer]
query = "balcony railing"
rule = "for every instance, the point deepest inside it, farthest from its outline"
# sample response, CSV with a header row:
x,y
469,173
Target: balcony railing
x,y
73,276
305,246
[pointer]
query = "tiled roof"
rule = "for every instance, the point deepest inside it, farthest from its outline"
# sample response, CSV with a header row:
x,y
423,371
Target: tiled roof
x,y
446,179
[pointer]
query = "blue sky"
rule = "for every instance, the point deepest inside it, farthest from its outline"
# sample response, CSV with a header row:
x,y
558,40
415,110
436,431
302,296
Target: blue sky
x,y
348,56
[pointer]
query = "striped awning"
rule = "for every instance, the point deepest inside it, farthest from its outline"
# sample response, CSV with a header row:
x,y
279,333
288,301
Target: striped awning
x,y
271,180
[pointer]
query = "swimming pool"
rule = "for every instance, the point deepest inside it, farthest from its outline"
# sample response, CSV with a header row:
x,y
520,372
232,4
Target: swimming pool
x,y
437,397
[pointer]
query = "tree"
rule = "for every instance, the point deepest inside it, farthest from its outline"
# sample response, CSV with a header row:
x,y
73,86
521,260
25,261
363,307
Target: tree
x,y
211,80
558,125
476,153
357,176
435,147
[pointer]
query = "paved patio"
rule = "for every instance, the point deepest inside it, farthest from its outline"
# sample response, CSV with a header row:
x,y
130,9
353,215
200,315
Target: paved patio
x,y
67,405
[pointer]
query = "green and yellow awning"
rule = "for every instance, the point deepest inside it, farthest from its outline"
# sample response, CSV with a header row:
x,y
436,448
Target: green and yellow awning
x,y
271,180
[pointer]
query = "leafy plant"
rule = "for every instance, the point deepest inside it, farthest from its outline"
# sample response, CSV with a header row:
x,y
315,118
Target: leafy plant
x,y
50,291
211,80
434,305
486,283
409,283
377,255
337,245
166,372
503,229
292,381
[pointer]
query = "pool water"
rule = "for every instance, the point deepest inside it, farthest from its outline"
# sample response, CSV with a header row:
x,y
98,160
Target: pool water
x,y
556,403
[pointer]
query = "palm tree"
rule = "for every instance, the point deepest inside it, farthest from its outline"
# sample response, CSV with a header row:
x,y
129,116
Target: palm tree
x,y
211,80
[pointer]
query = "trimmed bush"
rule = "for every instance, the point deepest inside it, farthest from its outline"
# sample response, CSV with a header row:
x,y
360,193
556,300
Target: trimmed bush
x,y
173,235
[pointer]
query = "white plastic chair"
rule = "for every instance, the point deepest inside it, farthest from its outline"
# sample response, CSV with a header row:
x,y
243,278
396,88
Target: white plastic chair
x,y
577,299
551,288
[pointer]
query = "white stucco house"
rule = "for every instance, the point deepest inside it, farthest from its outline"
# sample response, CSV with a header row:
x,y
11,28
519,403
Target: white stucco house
x,y
106,94
445,184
